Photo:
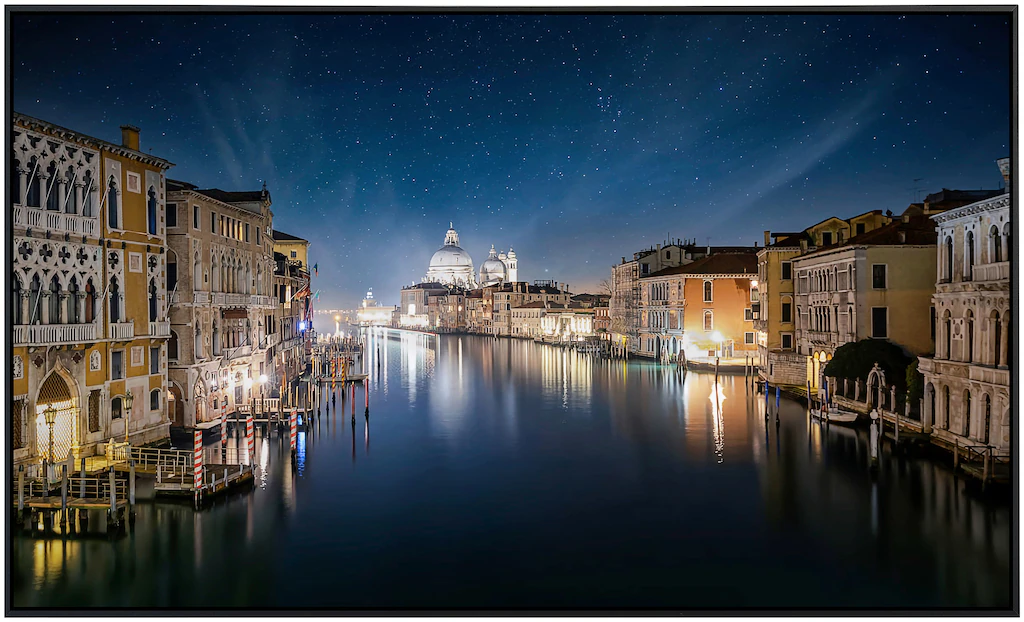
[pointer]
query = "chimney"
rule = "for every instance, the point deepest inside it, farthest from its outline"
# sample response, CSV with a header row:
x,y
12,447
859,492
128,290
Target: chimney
x,y
767,238
839,236
130,137
803,245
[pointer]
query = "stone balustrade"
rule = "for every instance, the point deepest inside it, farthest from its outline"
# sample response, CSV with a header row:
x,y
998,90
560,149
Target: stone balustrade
x,y
992,272
55,334
160,329
122,331
59,222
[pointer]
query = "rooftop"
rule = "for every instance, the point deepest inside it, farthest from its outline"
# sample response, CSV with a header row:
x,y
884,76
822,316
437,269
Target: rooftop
x,y
919,230
721,263
281,236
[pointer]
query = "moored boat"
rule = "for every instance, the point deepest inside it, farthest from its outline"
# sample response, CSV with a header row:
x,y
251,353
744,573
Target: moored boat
x,y
834,415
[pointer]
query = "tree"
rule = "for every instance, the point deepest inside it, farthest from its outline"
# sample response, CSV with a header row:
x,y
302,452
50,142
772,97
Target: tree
x,y
915,383
855,361
605,285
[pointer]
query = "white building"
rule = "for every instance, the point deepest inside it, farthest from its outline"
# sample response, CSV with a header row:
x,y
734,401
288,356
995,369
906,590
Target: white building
x,y
967,381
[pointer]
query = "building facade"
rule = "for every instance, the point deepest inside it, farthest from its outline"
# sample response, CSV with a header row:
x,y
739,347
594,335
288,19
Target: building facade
x,y
221,275
294,315
89,299
967,380
876,285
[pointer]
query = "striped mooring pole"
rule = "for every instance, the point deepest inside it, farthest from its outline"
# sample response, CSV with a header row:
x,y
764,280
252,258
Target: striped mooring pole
x,y
250,438
293,422
223,427
197,460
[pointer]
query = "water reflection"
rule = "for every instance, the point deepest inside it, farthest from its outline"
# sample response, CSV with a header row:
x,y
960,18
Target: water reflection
x,y
552,462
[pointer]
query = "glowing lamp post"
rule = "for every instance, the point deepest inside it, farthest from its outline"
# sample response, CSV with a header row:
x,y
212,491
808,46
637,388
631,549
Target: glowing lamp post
x,y
129,399
717,338
50,414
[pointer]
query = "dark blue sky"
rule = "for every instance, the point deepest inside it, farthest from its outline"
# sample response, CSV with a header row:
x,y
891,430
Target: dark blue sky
x,y
576,139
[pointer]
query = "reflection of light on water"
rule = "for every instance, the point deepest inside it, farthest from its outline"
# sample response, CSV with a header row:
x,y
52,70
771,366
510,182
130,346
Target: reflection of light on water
x,y
197,525
49,566
264,461
300,452
717,396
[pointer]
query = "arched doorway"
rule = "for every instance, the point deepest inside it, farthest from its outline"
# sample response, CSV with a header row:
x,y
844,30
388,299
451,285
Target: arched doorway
x,y
198,403
176,406
57,392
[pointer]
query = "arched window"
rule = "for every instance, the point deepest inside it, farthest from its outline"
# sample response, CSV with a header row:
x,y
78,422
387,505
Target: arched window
x,y
198,341
151,211
90,302
35,288
152,300
172,346
87,190
995,245
154,399
1006,236
112,219
969,325
930,395
16,315
115,301
988,419
948,275
967,413
969,257
69,191
15,178
947,334
997,337
73,317
216,339
214,273
54,306
115,408
34,196
945,408
709,321
172,271
707,291
52,195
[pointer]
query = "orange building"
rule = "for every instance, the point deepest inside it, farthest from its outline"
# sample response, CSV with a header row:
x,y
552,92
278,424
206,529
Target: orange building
x,y
719,295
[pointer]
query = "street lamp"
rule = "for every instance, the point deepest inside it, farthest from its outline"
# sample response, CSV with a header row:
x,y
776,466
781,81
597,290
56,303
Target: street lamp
x,y
129,399
50,414
717,338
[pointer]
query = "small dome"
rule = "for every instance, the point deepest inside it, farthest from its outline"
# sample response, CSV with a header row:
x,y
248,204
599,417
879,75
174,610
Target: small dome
x,y
492,270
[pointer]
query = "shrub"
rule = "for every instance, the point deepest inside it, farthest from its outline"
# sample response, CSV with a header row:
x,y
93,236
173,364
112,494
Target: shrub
x,y
855,360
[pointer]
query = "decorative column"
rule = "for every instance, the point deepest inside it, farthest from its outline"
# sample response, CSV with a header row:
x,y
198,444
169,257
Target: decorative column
x,y
63,307
23,175
1004,338
79,193
80,306
24,308
926,411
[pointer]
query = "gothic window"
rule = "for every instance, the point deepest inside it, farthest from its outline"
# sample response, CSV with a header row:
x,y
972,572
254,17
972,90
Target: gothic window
x,y
115,301
708,321
33,299
87,188
112,220
54,305
151,211
154,399
72,302
969,258
997,336
1006,236
16,300
995,252
34,196
945,407
15,178
988,419
115,408
969,321
172,346
52,198
199,343
18,424
69,191
90,301
172,271
948,275
152,300
707,291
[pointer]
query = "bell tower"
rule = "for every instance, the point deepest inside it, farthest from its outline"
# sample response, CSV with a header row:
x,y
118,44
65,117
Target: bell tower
x,y
513,266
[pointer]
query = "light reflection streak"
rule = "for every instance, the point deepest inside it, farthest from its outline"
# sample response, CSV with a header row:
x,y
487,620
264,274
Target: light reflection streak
x,y
717,396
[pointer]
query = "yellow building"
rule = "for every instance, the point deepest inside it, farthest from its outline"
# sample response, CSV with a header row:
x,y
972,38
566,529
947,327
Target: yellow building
x,y
89,304
294,249
778,360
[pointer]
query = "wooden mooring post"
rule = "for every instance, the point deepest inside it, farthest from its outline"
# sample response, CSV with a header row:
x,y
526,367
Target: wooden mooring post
x,y
81,482
112,518
956,454
63,497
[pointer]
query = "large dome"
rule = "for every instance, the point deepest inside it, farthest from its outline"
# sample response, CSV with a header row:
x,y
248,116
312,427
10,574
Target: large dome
x,y
493,269
451,264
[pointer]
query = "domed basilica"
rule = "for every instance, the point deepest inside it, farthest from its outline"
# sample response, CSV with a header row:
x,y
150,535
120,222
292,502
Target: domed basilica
x,y
452,265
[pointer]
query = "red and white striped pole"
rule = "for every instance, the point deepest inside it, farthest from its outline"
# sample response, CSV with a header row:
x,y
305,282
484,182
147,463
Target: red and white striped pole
x,y
250,439
223,427
366,392
197,460
293,422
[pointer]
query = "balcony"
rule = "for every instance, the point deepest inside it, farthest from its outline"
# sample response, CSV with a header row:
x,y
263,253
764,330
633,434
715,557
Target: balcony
x,y
217,298
38,218
992,272
236,300
55,334
201,298
122,331
262,301
159,329
237,352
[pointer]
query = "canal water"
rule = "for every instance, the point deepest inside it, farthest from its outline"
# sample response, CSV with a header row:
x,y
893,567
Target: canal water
x,y
508,474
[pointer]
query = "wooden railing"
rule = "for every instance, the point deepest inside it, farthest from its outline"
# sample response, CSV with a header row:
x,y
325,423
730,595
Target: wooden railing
x,y
54,334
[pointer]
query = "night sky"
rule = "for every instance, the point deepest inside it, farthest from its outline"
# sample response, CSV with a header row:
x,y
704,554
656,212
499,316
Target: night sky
x,y
576,139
